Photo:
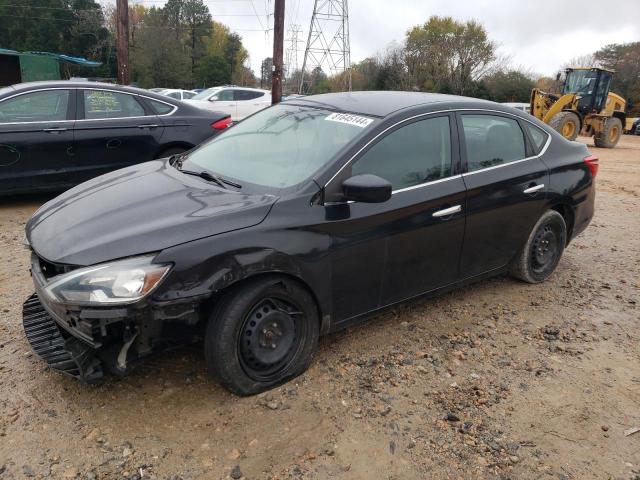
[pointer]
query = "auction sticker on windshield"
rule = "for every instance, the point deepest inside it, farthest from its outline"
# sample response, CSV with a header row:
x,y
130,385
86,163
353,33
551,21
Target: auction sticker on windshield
x,y
349,119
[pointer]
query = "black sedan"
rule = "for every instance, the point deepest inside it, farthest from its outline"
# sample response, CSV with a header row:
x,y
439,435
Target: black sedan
x,y
300,220
54,135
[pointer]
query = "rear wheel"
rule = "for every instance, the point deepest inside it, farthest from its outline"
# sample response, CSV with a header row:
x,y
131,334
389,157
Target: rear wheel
x,y
541,253
261,334
567,124
610,134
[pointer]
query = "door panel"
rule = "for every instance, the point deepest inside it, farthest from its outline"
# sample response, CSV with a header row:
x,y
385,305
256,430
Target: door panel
x,y
114,131
36,140
422,250
500,215
226,103
416,247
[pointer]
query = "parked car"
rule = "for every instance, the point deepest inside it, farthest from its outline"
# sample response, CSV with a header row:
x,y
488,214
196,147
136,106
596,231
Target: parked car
x,y
635,127
239,102
525,107
57,134
177,93
300,220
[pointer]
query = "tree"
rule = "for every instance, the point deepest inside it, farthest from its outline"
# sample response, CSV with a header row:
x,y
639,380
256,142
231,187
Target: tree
x,y
266,72
211,71
510,86
447,55
625,60
191,21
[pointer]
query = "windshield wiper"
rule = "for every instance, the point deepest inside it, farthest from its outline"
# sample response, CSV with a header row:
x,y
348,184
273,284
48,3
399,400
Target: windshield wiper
x,y
204,174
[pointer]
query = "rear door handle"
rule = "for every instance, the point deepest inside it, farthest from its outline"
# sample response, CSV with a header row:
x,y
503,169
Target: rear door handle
x,y
447,211
54,130
150,125
534,188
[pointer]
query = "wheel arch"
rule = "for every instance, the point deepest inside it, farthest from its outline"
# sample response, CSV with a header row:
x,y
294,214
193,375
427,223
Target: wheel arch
x,y
167,146
565,209
272,264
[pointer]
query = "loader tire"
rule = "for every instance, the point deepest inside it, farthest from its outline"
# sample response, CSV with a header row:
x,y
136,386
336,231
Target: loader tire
x,y
610,134
566,124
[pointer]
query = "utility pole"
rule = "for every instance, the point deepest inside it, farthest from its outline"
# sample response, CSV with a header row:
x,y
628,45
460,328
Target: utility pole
x,y
122,41
278,49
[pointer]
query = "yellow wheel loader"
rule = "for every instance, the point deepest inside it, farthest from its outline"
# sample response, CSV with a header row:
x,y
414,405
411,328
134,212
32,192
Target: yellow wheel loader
x,y
585,107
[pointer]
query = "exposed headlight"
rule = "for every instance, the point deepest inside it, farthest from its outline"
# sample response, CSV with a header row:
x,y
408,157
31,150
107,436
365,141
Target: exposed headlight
x,y
123,281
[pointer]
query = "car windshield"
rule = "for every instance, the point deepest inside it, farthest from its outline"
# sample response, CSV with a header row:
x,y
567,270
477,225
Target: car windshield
x,y
278,147
203,95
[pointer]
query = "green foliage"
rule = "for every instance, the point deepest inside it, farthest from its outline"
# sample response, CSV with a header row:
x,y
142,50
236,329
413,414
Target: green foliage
x,y
74,27
447,55
510,86
625,60
213,70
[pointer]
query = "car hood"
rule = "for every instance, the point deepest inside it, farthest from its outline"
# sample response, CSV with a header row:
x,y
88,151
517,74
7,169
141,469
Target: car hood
x,y
140,209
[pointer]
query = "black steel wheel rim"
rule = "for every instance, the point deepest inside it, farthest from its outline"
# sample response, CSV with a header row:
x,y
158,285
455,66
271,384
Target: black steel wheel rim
x,y
270,337
545,249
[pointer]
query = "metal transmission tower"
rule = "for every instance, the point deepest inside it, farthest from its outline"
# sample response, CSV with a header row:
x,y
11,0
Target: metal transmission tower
x,y
291,56
328,43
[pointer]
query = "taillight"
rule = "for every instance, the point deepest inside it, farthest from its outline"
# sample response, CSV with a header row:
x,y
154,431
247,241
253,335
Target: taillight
x,y
221,124
592,163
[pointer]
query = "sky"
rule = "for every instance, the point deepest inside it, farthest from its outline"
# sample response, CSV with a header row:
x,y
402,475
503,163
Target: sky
x,y
539,36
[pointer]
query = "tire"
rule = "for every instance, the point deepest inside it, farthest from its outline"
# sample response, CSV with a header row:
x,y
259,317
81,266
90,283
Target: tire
x,y
610,134
171,151
541,253
261,334
566,124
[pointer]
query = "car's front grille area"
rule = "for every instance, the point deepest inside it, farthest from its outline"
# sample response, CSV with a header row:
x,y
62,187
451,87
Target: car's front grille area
x,y
67,355
50,269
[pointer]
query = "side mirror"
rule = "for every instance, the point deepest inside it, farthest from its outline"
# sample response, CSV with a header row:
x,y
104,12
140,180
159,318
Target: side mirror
x,y
366,188
213,99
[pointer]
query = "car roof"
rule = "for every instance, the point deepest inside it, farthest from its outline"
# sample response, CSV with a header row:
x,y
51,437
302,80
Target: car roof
x,y
384,103
21,87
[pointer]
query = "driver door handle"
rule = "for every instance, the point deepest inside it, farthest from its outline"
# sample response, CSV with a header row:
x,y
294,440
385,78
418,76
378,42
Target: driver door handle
x,y
534,188
148,125
447,211
54,130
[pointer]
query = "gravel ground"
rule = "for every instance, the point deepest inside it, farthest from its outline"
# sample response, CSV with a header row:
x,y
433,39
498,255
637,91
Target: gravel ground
x,y
498,380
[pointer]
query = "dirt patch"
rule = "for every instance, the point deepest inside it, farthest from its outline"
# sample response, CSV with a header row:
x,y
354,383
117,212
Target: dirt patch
x,y
498,380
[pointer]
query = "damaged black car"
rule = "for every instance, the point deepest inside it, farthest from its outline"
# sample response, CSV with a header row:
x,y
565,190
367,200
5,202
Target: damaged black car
x,y
302,219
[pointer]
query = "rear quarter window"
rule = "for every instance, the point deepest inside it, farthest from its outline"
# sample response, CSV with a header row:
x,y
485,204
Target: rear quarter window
x,y
538,137
159,107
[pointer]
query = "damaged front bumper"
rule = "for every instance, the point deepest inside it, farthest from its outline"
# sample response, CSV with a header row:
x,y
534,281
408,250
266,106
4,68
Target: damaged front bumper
x,y
87,342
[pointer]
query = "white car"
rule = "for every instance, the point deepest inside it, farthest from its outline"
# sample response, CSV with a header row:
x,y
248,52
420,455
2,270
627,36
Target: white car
x,y
239,102
525,107
177,93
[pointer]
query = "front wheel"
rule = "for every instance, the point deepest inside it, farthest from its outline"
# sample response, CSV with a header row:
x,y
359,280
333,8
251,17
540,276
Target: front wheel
x,y
541,253
610,134
261,334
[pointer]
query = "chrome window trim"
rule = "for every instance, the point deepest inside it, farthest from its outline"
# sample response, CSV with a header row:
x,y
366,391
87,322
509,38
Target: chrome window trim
x,y
420,185
74,87
451,110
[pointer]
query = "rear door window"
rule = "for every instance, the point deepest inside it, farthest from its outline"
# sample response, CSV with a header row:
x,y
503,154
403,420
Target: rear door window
x,y
43,106
247,94
101,104
492,140
411,155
